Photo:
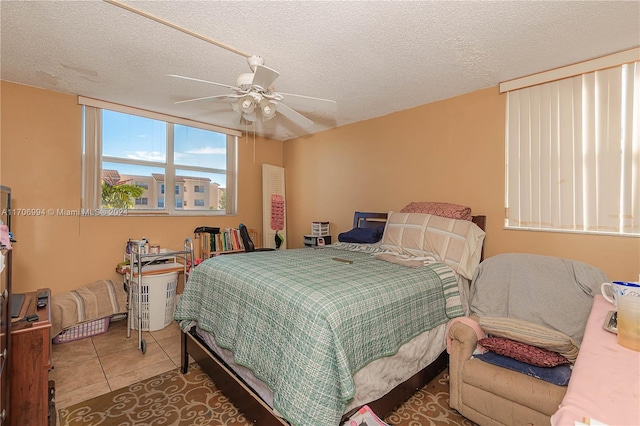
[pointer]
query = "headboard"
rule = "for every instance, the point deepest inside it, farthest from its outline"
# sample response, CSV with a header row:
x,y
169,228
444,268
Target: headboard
x,y
373,220
369,220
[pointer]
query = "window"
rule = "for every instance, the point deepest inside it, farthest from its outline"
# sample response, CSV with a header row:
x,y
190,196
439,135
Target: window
x,y
198,203
573,153
130,156
198,188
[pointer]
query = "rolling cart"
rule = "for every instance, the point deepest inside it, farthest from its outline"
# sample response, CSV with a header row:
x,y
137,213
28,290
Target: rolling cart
x,y
149,294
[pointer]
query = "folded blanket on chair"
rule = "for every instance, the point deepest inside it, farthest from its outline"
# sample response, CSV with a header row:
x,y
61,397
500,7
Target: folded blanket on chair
x,y
94,301
546,290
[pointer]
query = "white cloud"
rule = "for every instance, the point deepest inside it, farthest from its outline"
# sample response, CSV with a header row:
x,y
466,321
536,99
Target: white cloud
x,y
208,150
147,155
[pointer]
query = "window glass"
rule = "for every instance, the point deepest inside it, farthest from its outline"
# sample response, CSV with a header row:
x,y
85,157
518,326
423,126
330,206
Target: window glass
x,y
200,148
136,156
122,184
133,137
202,191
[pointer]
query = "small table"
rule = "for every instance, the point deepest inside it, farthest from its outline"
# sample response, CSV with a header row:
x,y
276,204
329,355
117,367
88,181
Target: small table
x,y
605,382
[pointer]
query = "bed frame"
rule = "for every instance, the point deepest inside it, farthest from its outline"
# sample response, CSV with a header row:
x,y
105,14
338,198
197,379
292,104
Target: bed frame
x,y
255,409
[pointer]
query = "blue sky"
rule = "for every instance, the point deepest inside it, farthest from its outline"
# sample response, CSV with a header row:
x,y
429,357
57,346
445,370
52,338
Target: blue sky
x,y
139,138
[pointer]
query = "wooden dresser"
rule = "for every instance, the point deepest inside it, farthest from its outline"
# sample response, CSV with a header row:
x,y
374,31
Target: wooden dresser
x,y
5,320
29,365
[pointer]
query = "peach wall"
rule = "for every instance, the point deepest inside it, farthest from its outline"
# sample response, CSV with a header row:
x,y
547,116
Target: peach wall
x,y
375,165
451,150
41,162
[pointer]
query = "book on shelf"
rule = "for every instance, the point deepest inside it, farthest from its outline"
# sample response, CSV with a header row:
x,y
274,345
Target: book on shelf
x,y
226,240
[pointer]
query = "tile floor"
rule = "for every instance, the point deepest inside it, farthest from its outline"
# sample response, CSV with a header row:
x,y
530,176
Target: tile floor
x,y
93,366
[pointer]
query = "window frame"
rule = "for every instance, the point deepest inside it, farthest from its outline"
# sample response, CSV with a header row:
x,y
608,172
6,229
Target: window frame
x,y
92,159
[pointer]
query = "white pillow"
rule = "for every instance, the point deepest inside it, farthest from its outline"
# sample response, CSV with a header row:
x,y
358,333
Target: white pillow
x,y
457,243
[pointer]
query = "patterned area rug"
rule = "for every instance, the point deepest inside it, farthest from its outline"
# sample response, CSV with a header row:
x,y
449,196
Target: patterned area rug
x,y
193,399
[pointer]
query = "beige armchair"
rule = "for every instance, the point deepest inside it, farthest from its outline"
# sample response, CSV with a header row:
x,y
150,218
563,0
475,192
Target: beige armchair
x,y
547,291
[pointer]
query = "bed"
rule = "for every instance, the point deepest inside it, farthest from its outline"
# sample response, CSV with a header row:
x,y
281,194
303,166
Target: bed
x,y
307,336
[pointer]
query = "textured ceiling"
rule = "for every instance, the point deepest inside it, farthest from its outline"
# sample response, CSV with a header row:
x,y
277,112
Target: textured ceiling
x,y
373,58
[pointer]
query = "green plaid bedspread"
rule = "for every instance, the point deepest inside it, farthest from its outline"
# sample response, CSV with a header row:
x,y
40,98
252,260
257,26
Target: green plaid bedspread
x,y
305,324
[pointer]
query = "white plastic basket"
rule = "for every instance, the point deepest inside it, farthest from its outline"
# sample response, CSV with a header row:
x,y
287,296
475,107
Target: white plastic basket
x,y
319,229
158,301
81,331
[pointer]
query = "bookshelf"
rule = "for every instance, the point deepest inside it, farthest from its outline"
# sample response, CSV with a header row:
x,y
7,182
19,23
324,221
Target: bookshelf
x,y
225,241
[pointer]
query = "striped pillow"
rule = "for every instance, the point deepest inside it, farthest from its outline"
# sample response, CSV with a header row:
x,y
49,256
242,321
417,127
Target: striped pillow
x,y
531,334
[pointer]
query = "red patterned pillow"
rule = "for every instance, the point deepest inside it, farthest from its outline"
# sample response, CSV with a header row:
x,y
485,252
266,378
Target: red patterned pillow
x,y
452,211
523,352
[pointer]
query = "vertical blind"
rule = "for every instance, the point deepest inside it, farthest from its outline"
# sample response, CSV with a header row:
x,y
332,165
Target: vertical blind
x,y
573,153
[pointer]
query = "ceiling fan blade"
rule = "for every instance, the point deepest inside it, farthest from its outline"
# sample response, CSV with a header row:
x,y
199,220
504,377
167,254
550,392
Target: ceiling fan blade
x,y
294,116
310,102
203,81
222,98
264,76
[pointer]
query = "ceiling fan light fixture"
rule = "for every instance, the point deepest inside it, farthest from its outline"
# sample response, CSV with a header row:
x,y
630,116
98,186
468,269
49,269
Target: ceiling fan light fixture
x,y
249,116
246,104
268,109
245,122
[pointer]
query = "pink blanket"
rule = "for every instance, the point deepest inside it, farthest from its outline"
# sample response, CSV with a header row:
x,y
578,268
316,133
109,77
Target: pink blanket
x,y
605,382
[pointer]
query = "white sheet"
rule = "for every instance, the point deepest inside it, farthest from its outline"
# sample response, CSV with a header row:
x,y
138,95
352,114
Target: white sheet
x,y
373,381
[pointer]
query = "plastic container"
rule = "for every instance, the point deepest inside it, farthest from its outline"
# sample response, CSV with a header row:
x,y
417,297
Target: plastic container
x,y
158,301
629,322
319,229
84,330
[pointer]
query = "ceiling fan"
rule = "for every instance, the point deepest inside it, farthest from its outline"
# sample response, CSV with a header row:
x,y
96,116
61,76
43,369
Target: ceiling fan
x,y
254,97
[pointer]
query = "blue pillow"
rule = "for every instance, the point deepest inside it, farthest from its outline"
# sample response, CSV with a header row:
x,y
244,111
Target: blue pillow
x,y
362,235
558,375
